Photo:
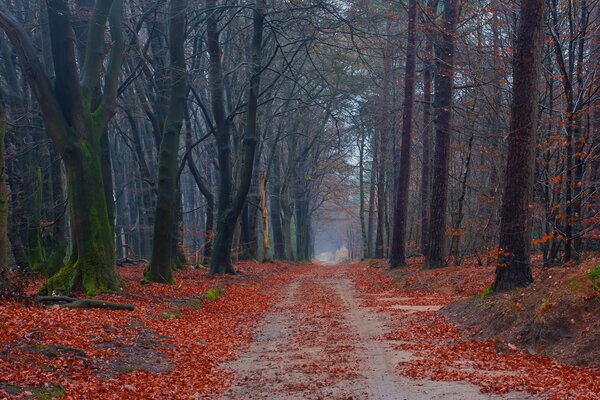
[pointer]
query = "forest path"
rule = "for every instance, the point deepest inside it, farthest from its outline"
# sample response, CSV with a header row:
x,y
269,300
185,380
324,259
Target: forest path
x,y
322,342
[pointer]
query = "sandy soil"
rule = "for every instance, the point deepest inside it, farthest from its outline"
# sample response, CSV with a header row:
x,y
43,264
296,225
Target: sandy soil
x,y
322,342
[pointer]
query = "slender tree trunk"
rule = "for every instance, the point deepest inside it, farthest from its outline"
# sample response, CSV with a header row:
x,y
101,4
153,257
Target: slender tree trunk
x,y
161,262
276,220
443,114
426,162
514,264
398,249
264,212
56,236
361,184
3,202
457,226
372,188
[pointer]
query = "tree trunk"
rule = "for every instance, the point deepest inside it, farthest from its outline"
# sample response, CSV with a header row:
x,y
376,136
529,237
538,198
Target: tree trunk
x,y
230,208
426,162
92,266
456,228
3,202
514,264
276,219
443,128
372,188
398,249
264,212
160,266
361,186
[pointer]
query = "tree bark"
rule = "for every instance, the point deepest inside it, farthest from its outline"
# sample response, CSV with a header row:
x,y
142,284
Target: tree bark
x,y
160,268
264,212
230,207
514,264
425,194
398,250
443,128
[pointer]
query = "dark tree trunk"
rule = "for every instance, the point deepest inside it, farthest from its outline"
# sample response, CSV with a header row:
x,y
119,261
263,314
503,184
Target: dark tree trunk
x,y
443,132
161,262
514,264
3,202
426,162
398,248
230,207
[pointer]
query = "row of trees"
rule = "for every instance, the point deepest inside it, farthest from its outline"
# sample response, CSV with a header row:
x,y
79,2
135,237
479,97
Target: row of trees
x,y
212,131
116,84
548,192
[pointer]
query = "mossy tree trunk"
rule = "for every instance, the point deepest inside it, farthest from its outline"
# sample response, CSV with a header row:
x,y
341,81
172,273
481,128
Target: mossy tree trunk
x,y
76,123
93,268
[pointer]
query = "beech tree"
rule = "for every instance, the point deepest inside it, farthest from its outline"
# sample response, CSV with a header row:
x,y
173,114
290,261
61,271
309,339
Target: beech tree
x,y
230,204
160,266
76,113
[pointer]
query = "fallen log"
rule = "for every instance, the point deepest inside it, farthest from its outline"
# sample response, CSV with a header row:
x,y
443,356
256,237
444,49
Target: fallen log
x,y
72,302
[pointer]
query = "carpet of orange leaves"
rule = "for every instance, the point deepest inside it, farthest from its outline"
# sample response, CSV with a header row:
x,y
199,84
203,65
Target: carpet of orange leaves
x,y
441,352
192,336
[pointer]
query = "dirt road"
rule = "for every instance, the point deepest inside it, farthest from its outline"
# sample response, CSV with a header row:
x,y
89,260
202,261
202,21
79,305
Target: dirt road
x,y
325,340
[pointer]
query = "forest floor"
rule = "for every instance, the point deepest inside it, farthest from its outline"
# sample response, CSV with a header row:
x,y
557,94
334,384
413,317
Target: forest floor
x,y
277,331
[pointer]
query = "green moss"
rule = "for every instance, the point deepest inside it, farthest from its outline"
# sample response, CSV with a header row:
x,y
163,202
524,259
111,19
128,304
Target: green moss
x,y
48,393
62,282
197,303
594,275
486,293
150,276
172,314
213,294
38,393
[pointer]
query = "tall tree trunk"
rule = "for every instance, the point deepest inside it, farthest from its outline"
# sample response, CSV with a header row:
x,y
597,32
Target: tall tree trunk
x,y
426,161
382,150
160,266
372,188
229,207
514,264
443,134
361,186
398,250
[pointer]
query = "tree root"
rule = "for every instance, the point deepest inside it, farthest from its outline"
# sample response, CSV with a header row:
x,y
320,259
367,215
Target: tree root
x,y
71,302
